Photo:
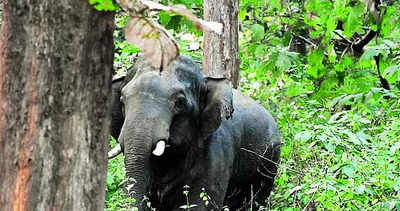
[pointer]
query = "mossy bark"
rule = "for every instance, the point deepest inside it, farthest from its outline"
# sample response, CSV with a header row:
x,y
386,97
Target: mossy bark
x,y
221,52
55,82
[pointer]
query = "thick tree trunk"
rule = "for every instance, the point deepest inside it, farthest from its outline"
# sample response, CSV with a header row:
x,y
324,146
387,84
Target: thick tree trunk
x,y
221,52
1,13
55,78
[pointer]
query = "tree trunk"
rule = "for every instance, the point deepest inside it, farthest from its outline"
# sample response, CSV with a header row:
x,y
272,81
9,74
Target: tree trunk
x,y
55,80
1,13
221,52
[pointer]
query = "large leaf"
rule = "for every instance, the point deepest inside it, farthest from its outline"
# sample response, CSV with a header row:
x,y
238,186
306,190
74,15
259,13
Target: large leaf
x,y
106,5
370,53
354,20
276,4
315,66
392,73
388,22
153,40
258,31
283,61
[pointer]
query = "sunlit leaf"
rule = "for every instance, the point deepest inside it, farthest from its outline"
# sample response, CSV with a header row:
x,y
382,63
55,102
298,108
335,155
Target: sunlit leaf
x,y
283,61
276,4
104,5
303,136
370,53
391,72
348,170
315,66
354,20
258,31
164,18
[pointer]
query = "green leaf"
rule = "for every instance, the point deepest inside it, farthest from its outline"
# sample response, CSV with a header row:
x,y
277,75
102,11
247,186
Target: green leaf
x,y
393,149
331,24
392,73
388,23
258,31
242,14
275,4
164,18
110,180
329,146
398,203
283,61
331,53
348,170
260,51
315,67
339,8
303,136
390,44
353,22
360,189
370,53
397,186
103,5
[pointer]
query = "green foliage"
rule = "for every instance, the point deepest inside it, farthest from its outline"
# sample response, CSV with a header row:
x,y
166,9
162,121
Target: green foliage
x,y
335,158
116,196
124,52
316,68
104,5
176,22
353,23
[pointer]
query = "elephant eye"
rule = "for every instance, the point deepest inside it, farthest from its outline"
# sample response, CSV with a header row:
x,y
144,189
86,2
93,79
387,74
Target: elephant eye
x,y
180,104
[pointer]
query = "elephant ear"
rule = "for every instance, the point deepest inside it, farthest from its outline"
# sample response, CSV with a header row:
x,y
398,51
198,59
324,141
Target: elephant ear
x,y
216,105
117,117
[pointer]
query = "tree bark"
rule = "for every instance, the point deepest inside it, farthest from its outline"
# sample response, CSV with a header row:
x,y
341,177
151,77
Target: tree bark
x,y
1,13
55,80
221,52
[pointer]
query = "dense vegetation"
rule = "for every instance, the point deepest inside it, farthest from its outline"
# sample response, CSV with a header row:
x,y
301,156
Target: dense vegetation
x,y
329,72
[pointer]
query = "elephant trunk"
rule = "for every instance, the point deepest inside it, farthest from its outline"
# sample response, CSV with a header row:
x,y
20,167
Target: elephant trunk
x,y
142,140
137,161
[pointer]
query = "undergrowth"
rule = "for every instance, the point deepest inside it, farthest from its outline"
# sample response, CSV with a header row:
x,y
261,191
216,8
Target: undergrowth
x,y
336,155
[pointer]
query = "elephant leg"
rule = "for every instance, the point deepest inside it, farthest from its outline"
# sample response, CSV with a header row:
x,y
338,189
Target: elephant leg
x,y
267,172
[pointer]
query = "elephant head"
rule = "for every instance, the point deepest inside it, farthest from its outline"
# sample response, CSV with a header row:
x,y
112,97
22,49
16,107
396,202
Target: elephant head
x,y
168,116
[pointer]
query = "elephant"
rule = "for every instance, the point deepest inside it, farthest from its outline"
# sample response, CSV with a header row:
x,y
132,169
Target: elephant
x,y
117,118
180,128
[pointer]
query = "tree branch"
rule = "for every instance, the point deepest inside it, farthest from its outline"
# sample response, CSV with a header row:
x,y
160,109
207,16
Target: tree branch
x,y
358,47
304,39
385,84
343,37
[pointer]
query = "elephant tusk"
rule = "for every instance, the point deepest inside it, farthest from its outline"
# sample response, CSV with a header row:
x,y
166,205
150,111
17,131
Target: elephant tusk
x,y
160,147
115,151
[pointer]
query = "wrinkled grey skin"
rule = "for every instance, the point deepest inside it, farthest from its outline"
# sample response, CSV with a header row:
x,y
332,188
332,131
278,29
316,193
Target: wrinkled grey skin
x,y
207,126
